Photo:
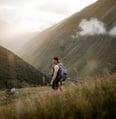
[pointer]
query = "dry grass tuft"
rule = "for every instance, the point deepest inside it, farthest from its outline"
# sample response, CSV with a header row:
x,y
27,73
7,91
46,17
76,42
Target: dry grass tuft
x,y
87,99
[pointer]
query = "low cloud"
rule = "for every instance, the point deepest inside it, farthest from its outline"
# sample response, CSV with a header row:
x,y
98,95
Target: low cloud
x,y
112,32
93,27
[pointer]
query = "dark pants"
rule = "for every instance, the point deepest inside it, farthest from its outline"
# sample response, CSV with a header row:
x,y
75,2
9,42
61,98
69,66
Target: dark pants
x,y
55,84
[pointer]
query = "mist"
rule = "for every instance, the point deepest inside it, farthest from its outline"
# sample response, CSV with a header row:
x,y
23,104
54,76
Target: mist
x,y
93,27
112,32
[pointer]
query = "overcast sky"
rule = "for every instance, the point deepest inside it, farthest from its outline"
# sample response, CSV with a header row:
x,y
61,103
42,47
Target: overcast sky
x,y
36,15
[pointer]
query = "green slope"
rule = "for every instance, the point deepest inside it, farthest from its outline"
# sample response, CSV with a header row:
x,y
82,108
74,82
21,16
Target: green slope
x,y
83,57
14,72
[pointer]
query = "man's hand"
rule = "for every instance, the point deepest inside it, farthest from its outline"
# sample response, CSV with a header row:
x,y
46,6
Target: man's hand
x,y
51,83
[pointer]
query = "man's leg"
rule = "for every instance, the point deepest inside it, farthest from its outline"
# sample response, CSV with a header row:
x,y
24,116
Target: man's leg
x,y
60,84
54,85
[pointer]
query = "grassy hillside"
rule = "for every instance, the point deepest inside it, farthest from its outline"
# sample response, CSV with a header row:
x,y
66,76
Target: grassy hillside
x,y
83,56
88,99
14,72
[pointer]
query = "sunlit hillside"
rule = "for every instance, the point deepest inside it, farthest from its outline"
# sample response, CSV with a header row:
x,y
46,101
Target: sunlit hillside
x,y
84,55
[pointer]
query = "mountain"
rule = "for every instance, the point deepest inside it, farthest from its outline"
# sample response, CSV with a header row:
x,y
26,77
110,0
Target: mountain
x,y
20,39
7,31
85,55
15,72
10,36
4,28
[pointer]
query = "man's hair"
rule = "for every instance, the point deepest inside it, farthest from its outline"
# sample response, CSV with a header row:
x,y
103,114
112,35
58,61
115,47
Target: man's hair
x,y
56,58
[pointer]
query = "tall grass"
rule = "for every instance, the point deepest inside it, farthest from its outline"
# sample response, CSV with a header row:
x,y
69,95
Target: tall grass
x,y
87,99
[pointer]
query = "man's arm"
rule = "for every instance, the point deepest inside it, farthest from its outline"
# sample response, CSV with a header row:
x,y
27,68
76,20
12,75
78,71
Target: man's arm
x,y
56,68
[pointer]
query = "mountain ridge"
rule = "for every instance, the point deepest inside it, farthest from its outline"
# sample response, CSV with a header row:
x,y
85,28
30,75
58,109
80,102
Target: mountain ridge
x,y
15,72
79,54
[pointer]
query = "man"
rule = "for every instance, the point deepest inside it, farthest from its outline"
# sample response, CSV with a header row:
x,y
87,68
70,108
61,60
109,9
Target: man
x,y
56,78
